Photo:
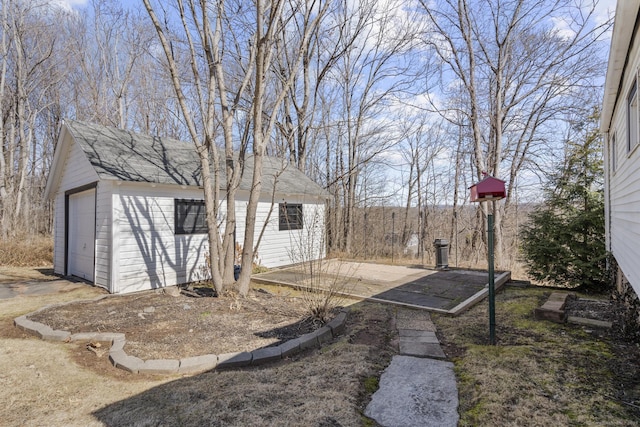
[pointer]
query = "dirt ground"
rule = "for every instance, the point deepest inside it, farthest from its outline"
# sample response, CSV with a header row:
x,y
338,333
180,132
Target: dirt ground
x,y
68,384
160,326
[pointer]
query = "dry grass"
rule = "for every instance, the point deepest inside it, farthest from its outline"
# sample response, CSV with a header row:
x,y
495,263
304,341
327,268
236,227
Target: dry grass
x,y
320,389
539,373
64,384
40,385
28,250
39,382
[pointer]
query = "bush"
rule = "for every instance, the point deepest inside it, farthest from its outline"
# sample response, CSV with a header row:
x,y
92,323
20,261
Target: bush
x,y
564,243
27,251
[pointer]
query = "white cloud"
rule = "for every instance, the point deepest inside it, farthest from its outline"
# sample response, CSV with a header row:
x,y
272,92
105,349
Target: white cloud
x,y
604,10
563,27
600,13
68,4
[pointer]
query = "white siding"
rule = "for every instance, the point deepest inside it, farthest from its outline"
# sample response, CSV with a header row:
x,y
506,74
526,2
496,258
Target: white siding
x,y
149,254
623,195
278,248
77,171
58,234
103,235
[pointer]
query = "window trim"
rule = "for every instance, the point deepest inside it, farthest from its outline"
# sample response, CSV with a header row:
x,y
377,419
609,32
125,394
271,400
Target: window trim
x,y
288,220
178,222
614,153
632,104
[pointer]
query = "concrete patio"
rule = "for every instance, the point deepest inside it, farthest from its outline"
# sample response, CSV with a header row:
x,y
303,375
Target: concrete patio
x,y
443,291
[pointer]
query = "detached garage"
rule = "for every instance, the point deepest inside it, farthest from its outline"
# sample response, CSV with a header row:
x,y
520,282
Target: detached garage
x,y
129,210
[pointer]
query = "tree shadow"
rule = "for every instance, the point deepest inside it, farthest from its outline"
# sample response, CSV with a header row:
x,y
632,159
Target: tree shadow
x,y
48,271
288,332
167,258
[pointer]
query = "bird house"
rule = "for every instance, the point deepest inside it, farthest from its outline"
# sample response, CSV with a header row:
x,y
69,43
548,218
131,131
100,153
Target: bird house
x,y
489,188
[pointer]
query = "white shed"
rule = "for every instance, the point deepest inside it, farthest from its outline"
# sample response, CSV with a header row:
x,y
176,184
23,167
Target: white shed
x,y
620,123
129,209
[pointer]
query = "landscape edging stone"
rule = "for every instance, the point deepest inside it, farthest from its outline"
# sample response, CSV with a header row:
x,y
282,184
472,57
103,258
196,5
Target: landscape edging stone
x,y
120,359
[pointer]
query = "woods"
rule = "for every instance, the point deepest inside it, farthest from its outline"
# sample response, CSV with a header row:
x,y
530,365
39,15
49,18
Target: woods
x,y
394,107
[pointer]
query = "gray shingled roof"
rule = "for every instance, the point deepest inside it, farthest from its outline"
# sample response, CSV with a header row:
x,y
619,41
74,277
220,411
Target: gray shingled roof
x,y
122,155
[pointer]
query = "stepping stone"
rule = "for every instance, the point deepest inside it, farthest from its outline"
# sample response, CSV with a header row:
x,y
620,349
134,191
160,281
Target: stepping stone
x,y
416,392
421,349
418,336
553,309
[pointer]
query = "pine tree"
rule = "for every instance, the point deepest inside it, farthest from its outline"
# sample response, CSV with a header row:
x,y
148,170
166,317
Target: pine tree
x,y
564,242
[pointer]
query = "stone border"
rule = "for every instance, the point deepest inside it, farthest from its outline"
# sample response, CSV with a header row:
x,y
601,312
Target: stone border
x,y
188,365
554,310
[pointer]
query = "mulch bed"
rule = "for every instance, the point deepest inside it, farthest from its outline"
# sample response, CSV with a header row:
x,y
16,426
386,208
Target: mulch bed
x,y
161,326
591,309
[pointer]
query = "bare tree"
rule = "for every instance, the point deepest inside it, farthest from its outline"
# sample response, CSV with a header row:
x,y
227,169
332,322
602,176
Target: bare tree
x,y
371,70
230,51
519,71
423,143
27,73
107,48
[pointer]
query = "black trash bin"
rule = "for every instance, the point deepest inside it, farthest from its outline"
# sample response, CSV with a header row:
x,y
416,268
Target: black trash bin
x,y
442,253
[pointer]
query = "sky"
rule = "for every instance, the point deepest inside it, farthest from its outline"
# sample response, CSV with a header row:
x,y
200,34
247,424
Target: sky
x,y
603,8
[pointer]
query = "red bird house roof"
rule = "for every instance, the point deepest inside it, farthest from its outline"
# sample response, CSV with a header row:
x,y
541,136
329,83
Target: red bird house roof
x,y
489,188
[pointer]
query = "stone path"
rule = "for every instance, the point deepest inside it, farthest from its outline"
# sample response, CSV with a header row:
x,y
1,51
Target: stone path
x,y
417,388
418,334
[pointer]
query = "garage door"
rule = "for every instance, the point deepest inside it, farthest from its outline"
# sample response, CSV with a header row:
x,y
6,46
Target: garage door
x,y
81,243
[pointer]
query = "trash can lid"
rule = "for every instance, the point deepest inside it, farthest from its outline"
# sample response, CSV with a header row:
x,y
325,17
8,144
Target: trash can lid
x,y
441,242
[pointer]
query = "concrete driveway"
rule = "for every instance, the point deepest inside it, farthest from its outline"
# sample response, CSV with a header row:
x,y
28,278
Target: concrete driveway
x,y
450,292
18,287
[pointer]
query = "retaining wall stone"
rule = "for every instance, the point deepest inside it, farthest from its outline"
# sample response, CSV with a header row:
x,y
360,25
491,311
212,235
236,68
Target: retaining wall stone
x,y
205,362
266,355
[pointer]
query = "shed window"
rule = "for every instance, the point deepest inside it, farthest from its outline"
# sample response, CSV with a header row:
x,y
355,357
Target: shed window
x,y
290,216
190,216
632,117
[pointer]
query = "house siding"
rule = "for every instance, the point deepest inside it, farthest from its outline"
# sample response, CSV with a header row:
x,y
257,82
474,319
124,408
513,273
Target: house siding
x,y
623,189
77,171
283,247
103,235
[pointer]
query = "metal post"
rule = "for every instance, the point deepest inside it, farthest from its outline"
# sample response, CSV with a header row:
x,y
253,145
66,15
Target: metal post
x,y
492,294
421,234
455,218
393,234
364,233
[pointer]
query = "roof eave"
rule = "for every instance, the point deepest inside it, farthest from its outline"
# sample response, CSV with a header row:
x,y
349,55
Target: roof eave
x,y
54,174
623,28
